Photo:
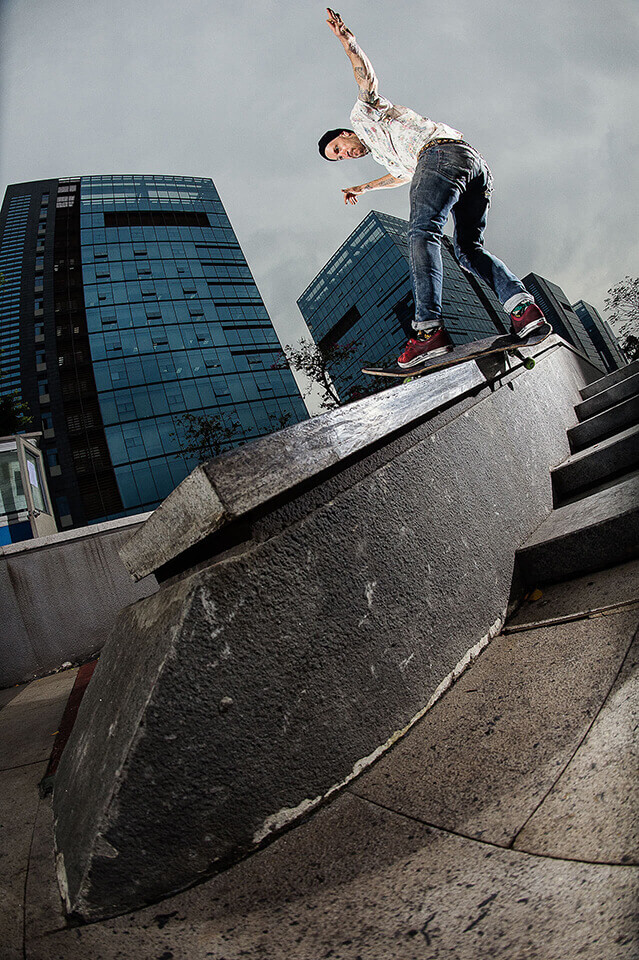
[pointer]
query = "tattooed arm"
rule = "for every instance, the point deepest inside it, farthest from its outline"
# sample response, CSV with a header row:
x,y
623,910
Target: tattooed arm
x,y
362,67
351,193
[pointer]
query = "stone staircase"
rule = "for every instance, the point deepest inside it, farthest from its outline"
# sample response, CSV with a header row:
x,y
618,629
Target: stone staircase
x,y
595,521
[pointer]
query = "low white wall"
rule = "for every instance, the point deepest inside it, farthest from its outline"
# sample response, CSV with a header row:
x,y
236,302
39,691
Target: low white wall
x,y
59,596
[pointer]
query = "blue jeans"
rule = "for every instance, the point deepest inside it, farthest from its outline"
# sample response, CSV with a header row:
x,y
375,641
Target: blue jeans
x,y
451,178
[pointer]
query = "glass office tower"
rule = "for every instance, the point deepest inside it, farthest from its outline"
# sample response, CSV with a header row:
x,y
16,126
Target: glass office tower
x,y
565,322
363,295
603,339
130,303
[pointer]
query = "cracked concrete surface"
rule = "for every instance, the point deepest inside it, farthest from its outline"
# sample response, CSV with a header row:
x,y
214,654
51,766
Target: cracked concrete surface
x,y
503,825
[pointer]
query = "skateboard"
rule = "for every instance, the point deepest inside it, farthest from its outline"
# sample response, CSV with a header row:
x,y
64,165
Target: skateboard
x,y
504,343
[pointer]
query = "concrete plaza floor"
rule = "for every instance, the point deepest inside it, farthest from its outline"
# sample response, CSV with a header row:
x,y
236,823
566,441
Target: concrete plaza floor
x,y
504,824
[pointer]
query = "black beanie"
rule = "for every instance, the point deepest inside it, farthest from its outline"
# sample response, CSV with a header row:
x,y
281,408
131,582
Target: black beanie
x,y
326,139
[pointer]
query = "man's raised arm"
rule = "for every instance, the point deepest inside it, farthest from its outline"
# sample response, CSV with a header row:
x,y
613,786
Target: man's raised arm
x,y
384,183
362,67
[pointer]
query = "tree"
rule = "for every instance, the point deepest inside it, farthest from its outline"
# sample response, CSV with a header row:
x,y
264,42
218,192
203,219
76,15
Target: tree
x,y
203,436
14,414
314,361
622,307
630,347
281,420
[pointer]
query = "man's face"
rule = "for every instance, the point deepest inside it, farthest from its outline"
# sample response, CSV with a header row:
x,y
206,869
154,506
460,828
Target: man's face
x,y
347,146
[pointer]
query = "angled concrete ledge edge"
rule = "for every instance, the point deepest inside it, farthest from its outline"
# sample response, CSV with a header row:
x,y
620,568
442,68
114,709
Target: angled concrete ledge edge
x,y
230,486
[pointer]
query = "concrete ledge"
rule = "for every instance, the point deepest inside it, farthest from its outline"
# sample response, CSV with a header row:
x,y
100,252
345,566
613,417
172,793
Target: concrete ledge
x,y
258,682
125,524
60,595
251,477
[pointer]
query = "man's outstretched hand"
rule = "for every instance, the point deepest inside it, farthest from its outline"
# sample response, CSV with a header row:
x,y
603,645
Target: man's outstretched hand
x,y
337,25
351,194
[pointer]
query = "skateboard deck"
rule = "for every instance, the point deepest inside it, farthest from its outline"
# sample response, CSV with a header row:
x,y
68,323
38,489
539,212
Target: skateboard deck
x,y
504,343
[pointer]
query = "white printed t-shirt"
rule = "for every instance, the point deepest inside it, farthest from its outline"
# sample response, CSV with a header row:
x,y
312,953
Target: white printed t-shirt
x,y
395,134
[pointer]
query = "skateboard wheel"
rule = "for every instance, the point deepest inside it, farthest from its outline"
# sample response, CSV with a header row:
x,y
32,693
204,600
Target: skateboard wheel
x,y
529,363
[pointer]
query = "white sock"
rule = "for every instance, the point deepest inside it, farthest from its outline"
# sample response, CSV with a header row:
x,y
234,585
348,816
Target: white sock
x,y
518,298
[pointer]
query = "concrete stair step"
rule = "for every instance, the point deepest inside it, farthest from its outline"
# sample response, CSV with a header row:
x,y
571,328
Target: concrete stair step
x,y
608,398
608,590
608,458
604,424
616,376
596,532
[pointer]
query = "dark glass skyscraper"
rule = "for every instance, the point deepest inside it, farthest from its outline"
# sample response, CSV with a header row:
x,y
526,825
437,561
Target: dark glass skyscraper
x,y
565,322
128,302
602,337
363,295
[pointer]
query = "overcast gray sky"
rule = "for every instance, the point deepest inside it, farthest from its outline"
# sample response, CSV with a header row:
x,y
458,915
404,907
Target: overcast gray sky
x,y
240,91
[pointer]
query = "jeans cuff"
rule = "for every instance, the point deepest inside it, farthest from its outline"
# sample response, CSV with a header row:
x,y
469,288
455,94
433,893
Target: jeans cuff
x,y
518,298
427,325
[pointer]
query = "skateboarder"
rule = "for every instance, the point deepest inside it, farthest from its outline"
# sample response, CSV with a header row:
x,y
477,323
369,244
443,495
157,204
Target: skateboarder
x,y
446,175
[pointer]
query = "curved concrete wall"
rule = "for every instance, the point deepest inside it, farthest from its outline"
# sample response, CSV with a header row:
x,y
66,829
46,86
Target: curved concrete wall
x,y
60,595
303,630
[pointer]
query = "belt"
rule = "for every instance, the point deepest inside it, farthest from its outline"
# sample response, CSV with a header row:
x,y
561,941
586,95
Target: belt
x,y
431,143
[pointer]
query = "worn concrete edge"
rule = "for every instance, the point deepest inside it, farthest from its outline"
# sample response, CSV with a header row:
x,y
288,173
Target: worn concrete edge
x,y
193,511
210,497
283,818
289,817
136,732
203,502
77,533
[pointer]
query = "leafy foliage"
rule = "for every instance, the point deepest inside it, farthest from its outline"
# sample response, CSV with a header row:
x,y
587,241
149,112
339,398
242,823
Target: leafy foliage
x,y
204,437
14,414
622,307
315,360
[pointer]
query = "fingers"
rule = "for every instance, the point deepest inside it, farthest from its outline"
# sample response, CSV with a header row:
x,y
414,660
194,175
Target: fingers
x,y
335,22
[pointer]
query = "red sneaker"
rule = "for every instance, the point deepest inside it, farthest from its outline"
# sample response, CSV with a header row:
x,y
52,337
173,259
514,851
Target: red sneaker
x,y
529,320
432,344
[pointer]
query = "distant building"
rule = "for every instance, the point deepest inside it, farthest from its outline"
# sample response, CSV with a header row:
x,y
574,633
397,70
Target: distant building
x,y
127,302
601,335
565,322
363,295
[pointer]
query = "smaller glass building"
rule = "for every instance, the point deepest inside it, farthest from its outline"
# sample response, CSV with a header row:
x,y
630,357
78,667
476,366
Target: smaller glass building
x,y
363,295
602,337
565,322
